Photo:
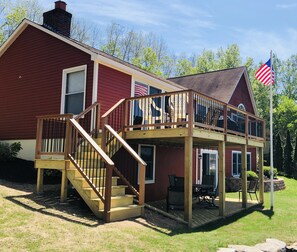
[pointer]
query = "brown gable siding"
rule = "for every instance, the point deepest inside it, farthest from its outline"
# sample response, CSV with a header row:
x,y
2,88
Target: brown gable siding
x,y
112,86
31,81
241,95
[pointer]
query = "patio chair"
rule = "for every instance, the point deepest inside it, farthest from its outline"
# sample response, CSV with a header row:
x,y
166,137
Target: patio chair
x,y
252,188
149,111
175,193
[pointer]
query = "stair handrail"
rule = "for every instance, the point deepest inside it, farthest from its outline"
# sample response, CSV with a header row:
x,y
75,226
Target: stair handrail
x,y
80,115
91,115
139,160
91,142
109,167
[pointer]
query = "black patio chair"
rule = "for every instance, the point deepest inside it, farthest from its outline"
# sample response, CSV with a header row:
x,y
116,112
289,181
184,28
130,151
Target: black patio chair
x,y
252,189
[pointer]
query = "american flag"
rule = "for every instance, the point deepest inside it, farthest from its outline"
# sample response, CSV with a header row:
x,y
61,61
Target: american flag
x,y
140,89
263,73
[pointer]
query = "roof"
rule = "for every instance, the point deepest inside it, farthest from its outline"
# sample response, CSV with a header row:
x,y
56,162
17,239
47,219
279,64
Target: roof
x,y
95,54
219,84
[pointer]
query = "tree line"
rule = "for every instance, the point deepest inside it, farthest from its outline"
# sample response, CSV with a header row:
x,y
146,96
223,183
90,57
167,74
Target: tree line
x,y
151,53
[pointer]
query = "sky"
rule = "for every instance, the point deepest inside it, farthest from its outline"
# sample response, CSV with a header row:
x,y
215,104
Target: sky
x,y
189,26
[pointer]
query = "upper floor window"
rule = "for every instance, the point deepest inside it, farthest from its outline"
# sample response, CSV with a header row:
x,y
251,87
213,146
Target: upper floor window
x,y
73,90
241,107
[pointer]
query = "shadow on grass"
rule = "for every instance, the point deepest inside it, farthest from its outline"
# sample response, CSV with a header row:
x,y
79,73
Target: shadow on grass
x,y
170,227
74,210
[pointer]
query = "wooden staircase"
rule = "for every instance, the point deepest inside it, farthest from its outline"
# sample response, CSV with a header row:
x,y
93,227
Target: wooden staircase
x,y
86,165
122,206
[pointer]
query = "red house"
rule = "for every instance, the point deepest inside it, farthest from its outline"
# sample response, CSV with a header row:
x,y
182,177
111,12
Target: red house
x,y
189,126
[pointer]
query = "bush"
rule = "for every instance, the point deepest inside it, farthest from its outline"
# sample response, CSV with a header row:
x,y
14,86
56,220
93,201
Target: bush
x,y
9,151
267,172
251,175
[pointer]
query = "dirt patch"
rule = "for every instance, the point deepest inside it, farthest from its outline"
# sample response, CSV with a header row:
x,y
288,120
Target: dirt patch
x,y
75,209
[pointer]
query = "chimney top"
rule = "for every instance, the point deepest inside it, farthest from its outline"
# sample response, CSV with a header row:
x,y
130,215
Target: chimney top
x,y
58,19
60,5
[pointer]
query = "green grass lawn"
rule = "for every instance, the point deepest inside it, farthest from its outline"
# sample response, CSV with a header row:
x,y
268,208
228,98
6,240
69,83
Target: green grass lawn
x,y
37,229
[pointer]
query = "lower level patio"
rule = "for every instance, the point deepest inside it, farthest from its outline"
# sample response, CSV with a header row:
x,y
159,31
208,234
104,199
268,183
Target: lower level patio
x,y
202,214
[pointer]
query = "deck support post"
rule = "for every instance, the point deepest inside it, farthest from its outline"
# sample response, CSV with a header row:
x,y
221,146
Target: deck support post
x,y
244,175
188,185
64,182
261,175
39,186
222,176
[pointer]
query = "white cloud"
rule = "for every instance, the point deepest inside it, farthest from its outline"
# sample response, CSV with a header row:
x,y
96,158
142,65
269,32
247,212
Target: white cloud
x,y
257,44
286,6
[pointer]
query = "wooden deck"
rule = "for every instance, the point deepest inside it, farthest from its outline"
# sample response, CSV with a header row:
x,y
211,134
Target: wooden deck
x,y
202,215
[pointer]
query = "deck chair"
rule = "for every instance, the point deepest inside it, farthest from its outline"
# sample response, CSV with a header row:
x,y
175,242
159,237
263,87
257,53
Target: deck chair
x,y
146,105
252,189
212,116
175,193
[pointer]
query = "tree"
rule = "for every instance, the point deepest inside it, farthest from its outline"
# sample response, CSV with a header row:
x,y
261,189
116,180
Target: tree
x,y
148,61
278,154
288,165
12,13
229,58
288,77
286,116
295,160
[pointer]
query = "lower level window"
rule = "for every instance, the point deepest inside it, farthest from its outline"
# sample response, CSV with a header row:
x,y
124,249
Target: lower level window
x,y
236,163
148,154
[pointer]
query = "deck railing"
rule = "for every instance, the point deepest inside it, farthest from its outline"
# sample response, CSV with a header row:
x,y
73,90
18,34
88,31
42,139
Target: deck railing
x,y
113,122
51,135
192,110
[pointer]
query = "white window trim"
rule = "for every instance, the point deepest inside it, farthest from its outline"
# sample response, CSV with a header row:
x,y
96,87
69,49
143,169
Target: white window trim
x,y
207,151
64,81
154,164
248,168
241,106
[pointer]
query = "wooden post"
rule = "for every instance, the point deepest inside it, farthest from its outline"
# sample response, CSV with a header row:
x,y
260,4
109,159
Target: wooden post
x,y
38,138
97,119
225,120
39,186
108,183
261,175
244,175
191,112
141,199
64,182
126,115
222,175
188,182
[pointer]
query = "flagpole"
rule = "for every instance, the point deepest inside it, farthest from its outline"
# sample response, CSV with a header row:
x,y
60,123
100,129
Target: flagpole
x,y
271,139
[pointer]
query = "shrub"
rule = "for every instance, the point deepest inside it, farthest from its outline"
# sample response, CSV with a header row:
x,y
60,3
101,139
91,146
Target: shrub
x,y
267,172
9,151
251,175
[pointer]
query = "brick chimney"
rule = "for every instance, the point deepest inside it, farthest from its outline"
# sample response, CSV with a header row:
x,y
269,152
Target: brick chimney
x,y
58,19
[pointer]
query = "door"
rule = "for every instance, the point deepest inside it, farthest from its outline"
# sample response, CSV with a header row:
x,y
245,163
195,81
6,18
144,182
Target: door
x,y
209,164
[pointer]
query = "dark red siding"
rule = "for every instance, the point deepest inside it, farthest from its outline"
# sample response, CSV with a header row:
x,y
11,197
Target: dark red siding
x,y
31,81
228,158
113,86
241,95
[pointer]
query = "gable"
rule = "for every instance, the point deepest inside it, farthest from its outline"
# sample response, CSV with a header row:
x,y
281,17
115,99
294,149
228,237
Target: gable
x,y
31,80
241,95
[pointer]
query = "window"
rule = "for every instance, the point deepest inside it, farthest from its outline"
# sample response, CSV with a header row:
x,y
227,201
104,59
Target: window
x,y
241,107
148,154
73,90
236,163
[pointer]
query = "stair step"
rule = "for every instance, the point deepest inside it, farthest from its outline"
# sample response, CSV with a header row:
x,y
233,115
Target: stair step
x,y
116,201
118,190
84,183
122,213
87,171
